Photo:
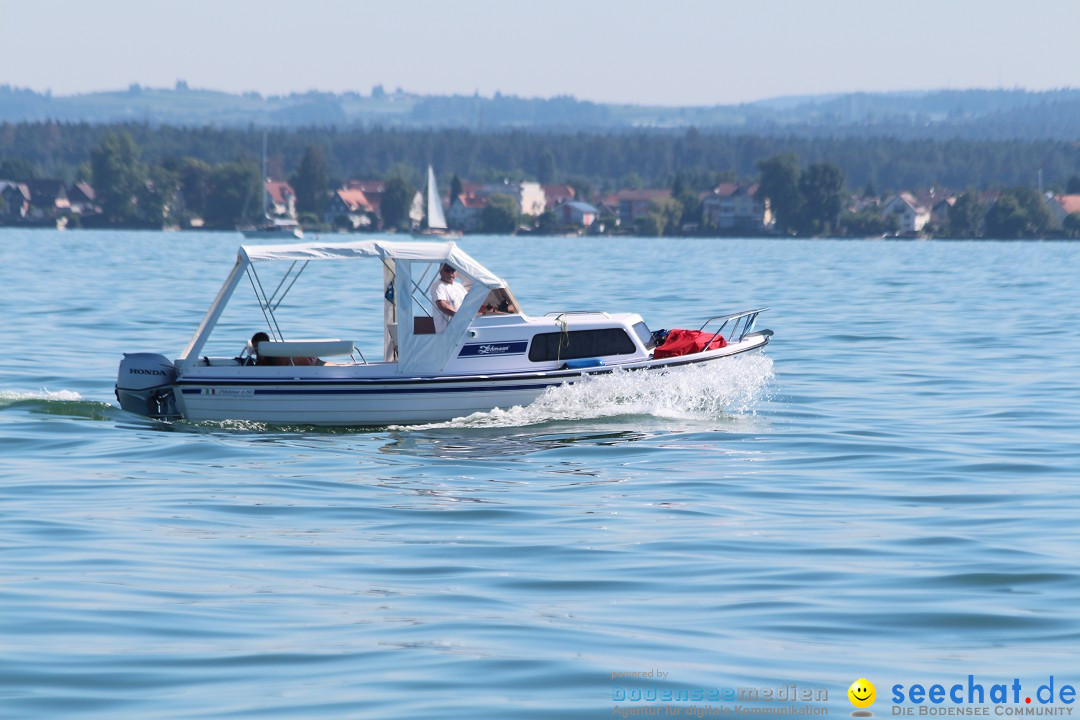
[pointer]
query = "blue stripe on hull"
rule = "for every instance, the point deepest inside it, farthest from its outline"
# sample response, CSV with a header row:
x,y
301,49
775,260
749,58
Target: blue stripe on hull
x,y
386,391
317,386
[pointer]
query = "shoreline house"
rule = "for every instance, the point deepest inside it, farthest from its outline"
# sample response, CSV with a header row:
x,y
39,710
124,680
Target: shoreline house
x,y
16,201
1061,206
731,206
348,209
465,213
578,213
373,190
911,214
83,199
555,195
49,204
939,215
417,210
280,199
529,196
635,204
46,202
466,210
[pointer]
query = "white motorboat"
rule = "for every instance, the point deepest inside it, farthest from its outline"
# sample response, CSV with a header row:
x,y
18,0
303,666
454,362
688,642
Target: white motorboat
x,y
490,354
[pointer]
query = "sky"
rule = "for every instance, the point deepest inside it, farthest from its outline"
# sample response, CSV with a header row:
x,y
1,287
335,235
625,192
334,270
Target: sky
x,y
661,52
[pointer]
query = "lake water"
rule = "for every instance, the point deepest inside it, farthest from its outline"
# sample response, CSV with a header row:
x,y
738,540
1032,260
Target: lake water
x,y
890,492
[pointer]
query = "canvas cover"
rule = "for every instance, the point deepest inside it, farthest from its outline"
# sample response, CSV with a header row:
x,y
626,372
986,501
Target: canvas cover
x,y
403,264
367,249
687,342
429,353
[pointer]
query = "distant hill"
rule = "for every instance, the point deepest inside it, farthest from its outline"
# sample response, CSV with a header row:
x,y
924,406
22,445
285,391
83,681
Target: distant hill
x,y
933,114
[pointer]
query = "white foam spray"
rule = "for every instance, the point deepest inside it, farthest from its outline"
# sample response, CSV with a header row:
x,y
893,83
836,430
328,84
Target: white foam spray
x,y
704,391
10,397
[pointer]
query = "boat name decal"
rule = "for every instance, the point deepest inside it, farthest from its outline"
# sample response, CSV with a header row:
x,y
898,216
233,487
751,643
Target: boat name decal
x,y
228,391
481,349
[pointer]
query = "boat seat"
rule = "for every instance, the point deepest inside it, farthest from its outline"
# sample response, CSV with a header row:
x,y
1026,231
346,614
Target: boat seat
x,y
220,361
305,348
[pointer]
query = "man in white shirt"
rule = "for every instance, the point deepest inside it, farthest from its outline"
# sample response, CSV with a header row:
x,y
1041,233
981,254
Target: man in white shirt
x,y
447,295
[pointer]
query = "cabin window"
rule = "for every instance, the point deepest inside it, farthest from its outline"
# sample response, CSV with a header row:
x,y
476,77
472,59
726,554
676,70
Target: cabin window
x,y
580,344
645,335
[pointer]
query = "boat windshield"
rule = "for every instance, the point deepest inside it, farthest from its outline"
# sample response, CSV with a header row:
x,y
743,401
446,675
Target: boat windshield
x,y
645,335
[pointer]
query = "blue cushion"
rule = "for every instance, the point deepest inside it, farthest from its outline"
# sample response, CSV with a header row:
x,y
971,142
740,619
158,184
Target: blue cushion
x,y
582,363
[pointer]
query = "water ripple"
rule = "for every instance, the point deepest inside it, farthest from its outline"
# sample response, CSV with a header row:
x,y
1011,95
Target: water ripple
x,y
889,492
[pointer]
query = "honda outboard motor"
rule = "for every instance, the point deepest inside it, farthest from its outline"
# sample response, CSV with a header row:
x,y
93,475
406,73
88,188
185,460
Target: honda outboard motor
x,y
144,385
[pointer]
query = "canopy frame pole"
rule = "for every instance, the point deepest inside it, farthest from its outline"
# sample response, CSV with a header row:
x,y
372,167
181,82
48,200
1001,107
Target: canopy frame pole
x,y
283,279
198,340
421,297
287,289
264,303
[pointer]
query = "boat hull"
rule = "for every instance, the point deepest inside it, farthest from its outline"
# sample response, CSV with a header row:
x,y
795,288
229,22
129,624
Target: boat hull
x,y
273,233
392,401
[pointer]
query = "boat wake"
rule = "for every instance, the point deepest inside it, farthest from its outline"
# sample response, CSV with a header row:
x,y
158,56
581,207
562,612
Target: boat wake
x,y
13,397
59,402
696,392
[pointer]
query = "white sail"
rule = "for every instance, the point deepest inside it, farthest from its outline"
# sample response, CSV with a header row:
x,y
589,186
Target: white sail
x,y
266,212
436,220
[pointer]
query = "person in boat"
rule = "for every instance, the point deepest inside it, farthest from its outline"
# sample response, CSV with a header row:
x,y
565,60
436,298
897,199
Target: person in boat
x,y
446,295
260,360
497,303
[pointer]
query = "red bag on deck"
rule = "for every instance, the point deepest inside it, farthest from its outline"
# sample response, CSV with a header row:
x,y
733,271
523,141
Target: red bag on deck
x,y
685,342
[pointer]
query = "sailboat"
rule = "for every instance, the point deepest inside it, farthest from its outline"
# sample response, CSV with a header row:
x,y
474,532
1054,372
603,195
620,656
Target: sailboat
x,y
272,228
434,219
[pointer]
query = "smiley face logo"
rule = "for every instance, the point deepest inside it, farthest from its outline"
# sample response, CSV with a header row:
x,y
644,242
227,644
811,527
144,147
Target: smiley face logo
x,y
862,693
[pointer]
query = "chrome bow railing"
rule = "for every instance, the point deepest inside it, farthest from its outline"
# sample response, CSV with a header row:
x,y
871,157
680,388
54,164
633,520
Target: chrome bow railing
x,y
740,325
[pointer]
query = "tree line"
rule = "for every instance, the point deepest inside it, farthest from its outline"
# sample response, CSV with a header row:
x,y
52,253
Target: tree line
x,y
178,177
604,160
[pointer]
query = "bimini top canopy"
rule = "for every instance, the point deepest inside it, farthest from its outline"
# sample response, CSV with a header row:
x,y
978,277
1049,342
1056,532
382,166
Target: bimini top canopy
x,y
366,249
415,352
